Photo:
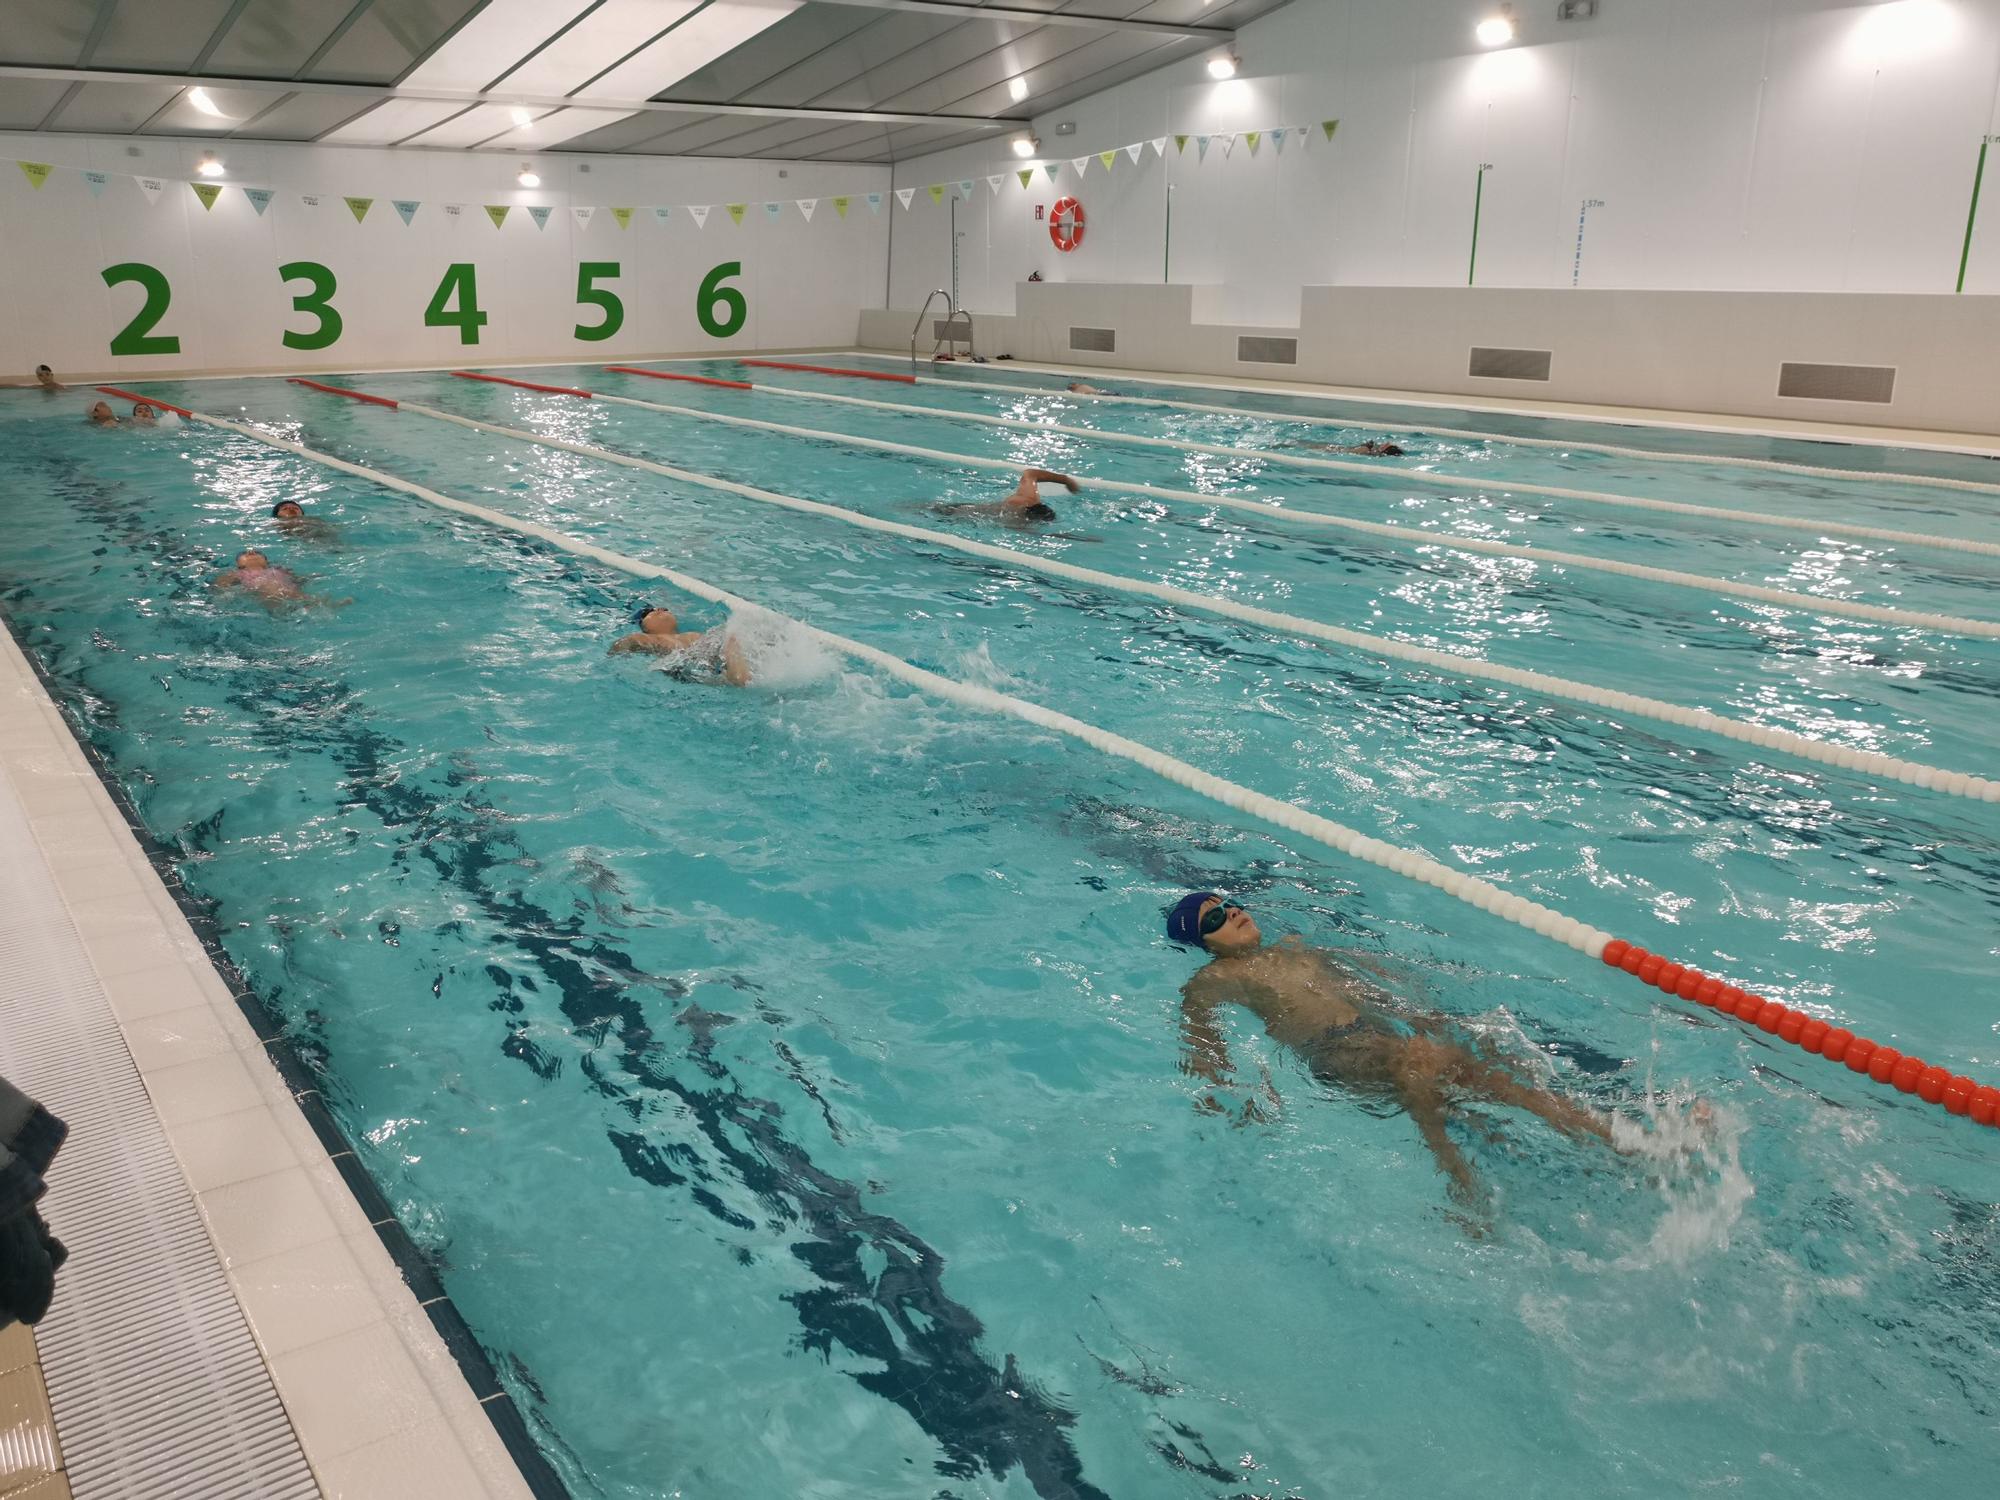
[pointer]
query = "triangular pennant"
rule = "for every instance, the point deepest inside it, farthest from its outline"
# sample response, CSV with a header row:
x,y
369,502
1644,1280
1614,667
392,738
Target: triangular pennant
x,y
1180,145
1052,169
623,216
1107,157
260,199
699,213
539,212
1253,137
737,210
582,216
965,190
936,190
661,215
1329,126
904,195
1228,139
875,203
358,207
1027,175
208,192
152,187
37,172
95,181
406,209
840,206
497,212
1159,144
772,210
1135,152
806,207
1201,148
1278,140
454,210
1302,136
1079,164
994,184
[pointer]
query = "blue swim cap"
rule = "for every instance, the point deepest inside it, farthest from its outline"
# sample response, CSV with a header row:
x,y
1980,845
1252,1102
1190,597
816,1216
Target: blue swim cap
x,y
1184,921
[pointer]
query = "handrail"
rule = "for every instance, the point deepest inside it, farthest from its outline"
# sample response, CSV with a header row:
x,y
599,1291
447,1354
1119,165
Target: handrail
x,y
917,327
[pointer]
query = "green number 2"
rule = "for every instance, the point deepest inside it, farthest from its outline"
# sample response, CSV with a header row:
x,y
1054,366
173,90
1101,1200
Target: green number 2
x,y
318,302
458,282
137,337
597,296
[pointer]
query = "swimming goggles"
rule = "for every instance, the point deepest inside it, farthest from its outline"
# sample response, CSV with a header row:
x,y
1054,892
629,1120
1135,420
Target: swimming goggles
x,y
1216,916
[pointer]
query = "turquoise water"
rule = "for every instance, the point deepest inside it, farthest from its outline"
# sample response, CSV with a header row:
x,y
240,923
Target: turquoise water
x,y
785,1083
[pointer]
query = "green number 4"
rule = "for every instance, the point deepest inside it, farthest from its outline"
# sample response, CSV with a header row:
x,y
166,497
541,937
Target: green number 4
x,y
458,282
597,296
318,302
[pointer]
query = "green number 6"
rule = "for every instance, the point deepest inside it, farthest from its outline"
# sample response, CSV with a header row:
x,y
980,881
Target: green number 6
x,y
713,295
318,302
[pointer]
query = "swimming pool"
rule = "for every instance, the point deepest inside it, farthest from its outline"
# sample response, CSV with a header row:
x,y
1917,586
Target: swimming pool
x,y
785,1083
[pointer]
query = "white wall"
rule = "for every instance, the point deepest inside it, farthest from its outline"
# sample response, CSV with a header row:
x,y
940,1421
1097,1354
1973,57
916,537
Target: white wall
x,y
1796,145
230,309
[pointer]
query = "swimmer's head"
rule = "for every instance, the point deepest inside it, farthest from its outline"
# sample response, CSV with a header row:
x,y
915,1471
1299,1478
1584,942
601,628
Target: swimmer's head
x,y
250,558
43,372
1202,919
102,412
1038,512
654,620
143,412
288,510
1390,450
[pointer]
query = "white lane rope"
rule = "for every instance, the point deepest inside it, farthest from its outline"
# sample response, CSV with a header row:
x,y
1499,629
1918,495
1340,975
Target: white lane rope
x,y
1390,477
1349,841
1409,535
1376,423
1866,762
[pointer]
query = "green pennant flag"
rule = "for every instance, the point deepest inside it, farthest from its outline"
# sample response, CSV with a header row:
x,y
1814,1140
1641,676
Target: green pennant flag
x,y
358,207
623,216
1107,157
1027,175
737,210
1253,137
497,212
208,192
1180,144
37,171
1329,126
840,206
936,190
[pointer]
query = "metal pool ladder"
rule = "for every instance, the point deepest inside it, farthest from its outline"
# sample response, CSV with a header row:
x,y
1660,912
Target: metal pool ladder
x,y
946,334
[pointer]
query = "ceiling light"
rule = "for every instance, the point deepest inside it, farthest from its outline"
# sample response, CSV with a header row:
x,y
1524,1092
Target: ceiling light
x,y
1497,30
1224,65
528,177
1024,145
522,118
209,165
198,97
1017,88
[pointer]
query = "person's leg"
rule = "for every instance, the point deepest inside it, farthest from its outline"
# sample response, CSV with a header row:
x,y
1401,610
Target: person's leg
x,y
1427,1107
1487,1081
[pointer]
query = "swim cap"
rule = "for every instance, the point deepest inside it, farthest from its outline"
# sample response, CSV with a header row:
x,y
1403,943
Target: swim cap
x,y
1038,512
1184,921
283,503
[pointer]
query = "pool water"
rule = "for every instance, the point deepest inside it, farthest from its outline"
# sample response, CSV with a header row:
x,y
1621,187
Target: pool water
x,y
785,1083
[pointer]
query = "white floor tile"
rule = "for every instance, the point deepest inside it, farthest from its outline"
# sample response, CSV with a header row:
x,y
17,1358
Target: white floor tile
x,y
264,1216
306,1296
201,1090
426,1460
231,1148
152,991
174,1037
350,1391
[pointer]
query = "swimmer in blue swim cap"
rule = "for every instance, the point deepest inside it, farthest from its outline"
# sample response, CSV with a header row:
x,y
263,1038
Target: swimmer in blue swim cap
x,y
1351,1032
713,655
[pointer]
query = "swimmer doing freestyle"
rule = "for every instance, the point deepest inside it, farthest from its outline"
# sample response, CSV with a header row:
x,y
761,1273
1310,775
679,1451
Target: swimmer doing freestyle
x,y
1350,1032
1023,506
701,655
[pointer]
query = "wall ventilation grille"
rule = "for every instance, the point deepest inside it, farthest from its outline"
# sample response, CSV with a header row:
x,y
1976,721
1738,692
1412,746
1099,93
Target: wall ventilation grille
x,y
1509,364
1876,383
1094,340
1259,349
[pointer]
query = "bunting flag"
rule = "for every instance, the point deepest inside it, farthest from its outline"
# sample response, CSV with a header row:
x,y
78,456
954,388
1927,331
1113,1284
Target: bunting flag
x,y
539,212
95,181
1180,145
260,199
1107,157
806,207
406,209
1253,137
497,212
152,187
1302,135
737,210
1228,139
875,203
771,212
661,215
1201,148
1079,164
1160,145
1135,152
1278,140
37,173
840,206
208,192
582,216
454,210
623,216
1027,175
936,190
904,195
993,184
699,212
965,190
1052,169
358,207
1329,126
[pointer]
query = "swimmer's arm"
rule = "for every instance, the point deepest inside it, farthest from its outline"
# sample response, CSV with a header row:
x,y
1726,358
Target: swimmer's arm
x,y
638,640
735,665
227,580
1204,1049
1032,477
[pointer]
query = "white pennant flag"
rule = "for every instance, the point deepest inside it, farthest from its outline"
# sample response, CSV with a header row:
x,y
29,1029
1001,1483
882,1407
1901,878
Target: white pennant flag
x,y
1159,144
994,184
1079,164
1135,151
660,215
806,207
96,180
310,200
582,216
1228,144
454,210
904,195
152,187
700,212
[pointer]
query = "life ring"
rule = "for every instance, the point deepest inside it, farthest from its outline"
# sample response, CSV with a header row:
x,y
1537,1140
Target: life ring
x,y
1066,224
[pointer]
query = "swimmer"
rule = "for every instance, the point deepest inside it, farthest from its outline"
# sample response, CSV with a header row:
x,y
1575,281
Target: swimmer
x,y
1021,507
1349,1032
1084,388
294,522
1369,449
274,586
46,379
101,415
705,655
144,415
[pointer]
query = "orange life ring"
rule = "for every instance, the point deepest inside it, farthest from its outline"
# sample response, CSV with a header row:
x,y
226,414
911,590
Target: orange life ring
x,y
1066,224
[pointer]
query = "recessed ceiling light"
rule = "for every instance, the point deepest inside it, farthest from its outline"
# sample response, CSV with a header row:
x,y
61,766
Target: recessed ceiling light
x,y
528,176
522,118
1224,65
1017,88
1024,145
1496,31
198,97
209,165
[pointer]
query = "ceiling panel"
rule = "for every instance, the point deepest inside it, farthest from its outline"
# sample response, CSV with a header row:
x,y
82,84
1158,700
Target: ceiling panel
x,y
183,117
305,117
273,38
392,121
493,126
801,35
493,42
898,75
114,108
390,35
155,38
45,33
717,28
628,132
891,34
26,102
601,40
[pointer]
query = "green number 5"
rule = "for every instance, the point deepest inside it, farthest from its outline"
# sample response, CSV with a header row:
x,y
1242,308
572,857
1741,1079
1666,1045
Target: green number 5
x,y
597,296
318,302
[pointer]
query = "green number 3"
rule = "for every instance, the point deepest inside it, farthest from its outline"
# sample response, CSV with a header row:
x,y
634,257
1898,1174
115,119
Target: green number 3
x,y
318,302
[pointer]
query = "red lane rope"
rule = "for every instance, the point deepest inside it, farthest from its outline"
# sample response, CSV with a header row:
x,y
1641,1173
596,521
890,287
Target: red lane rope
x,y
734,385
112,390
779,364
526,385
341,390
1912,1075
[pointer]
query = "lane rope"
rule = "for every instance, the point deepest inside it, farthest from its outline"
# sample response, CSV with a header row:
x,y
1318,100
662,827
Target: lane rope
x,y
1956,1093
112,390
1390,477
779,364
1885,614
1809,471
1866,762
341,390
734,385
526,385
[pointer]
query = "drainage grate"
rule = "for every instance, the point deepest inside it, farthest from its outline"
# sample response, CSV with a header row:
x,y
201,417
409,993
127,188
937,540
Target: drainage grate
x,y
1875,383
1261,349
1509,364
1094,340
157,1385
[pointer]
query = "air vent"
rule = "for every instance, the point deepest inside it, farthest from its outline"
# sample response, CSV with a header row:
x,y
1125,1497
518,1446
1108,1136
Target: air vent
x,y
1876,383
1094,340
1509,364
1259,349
